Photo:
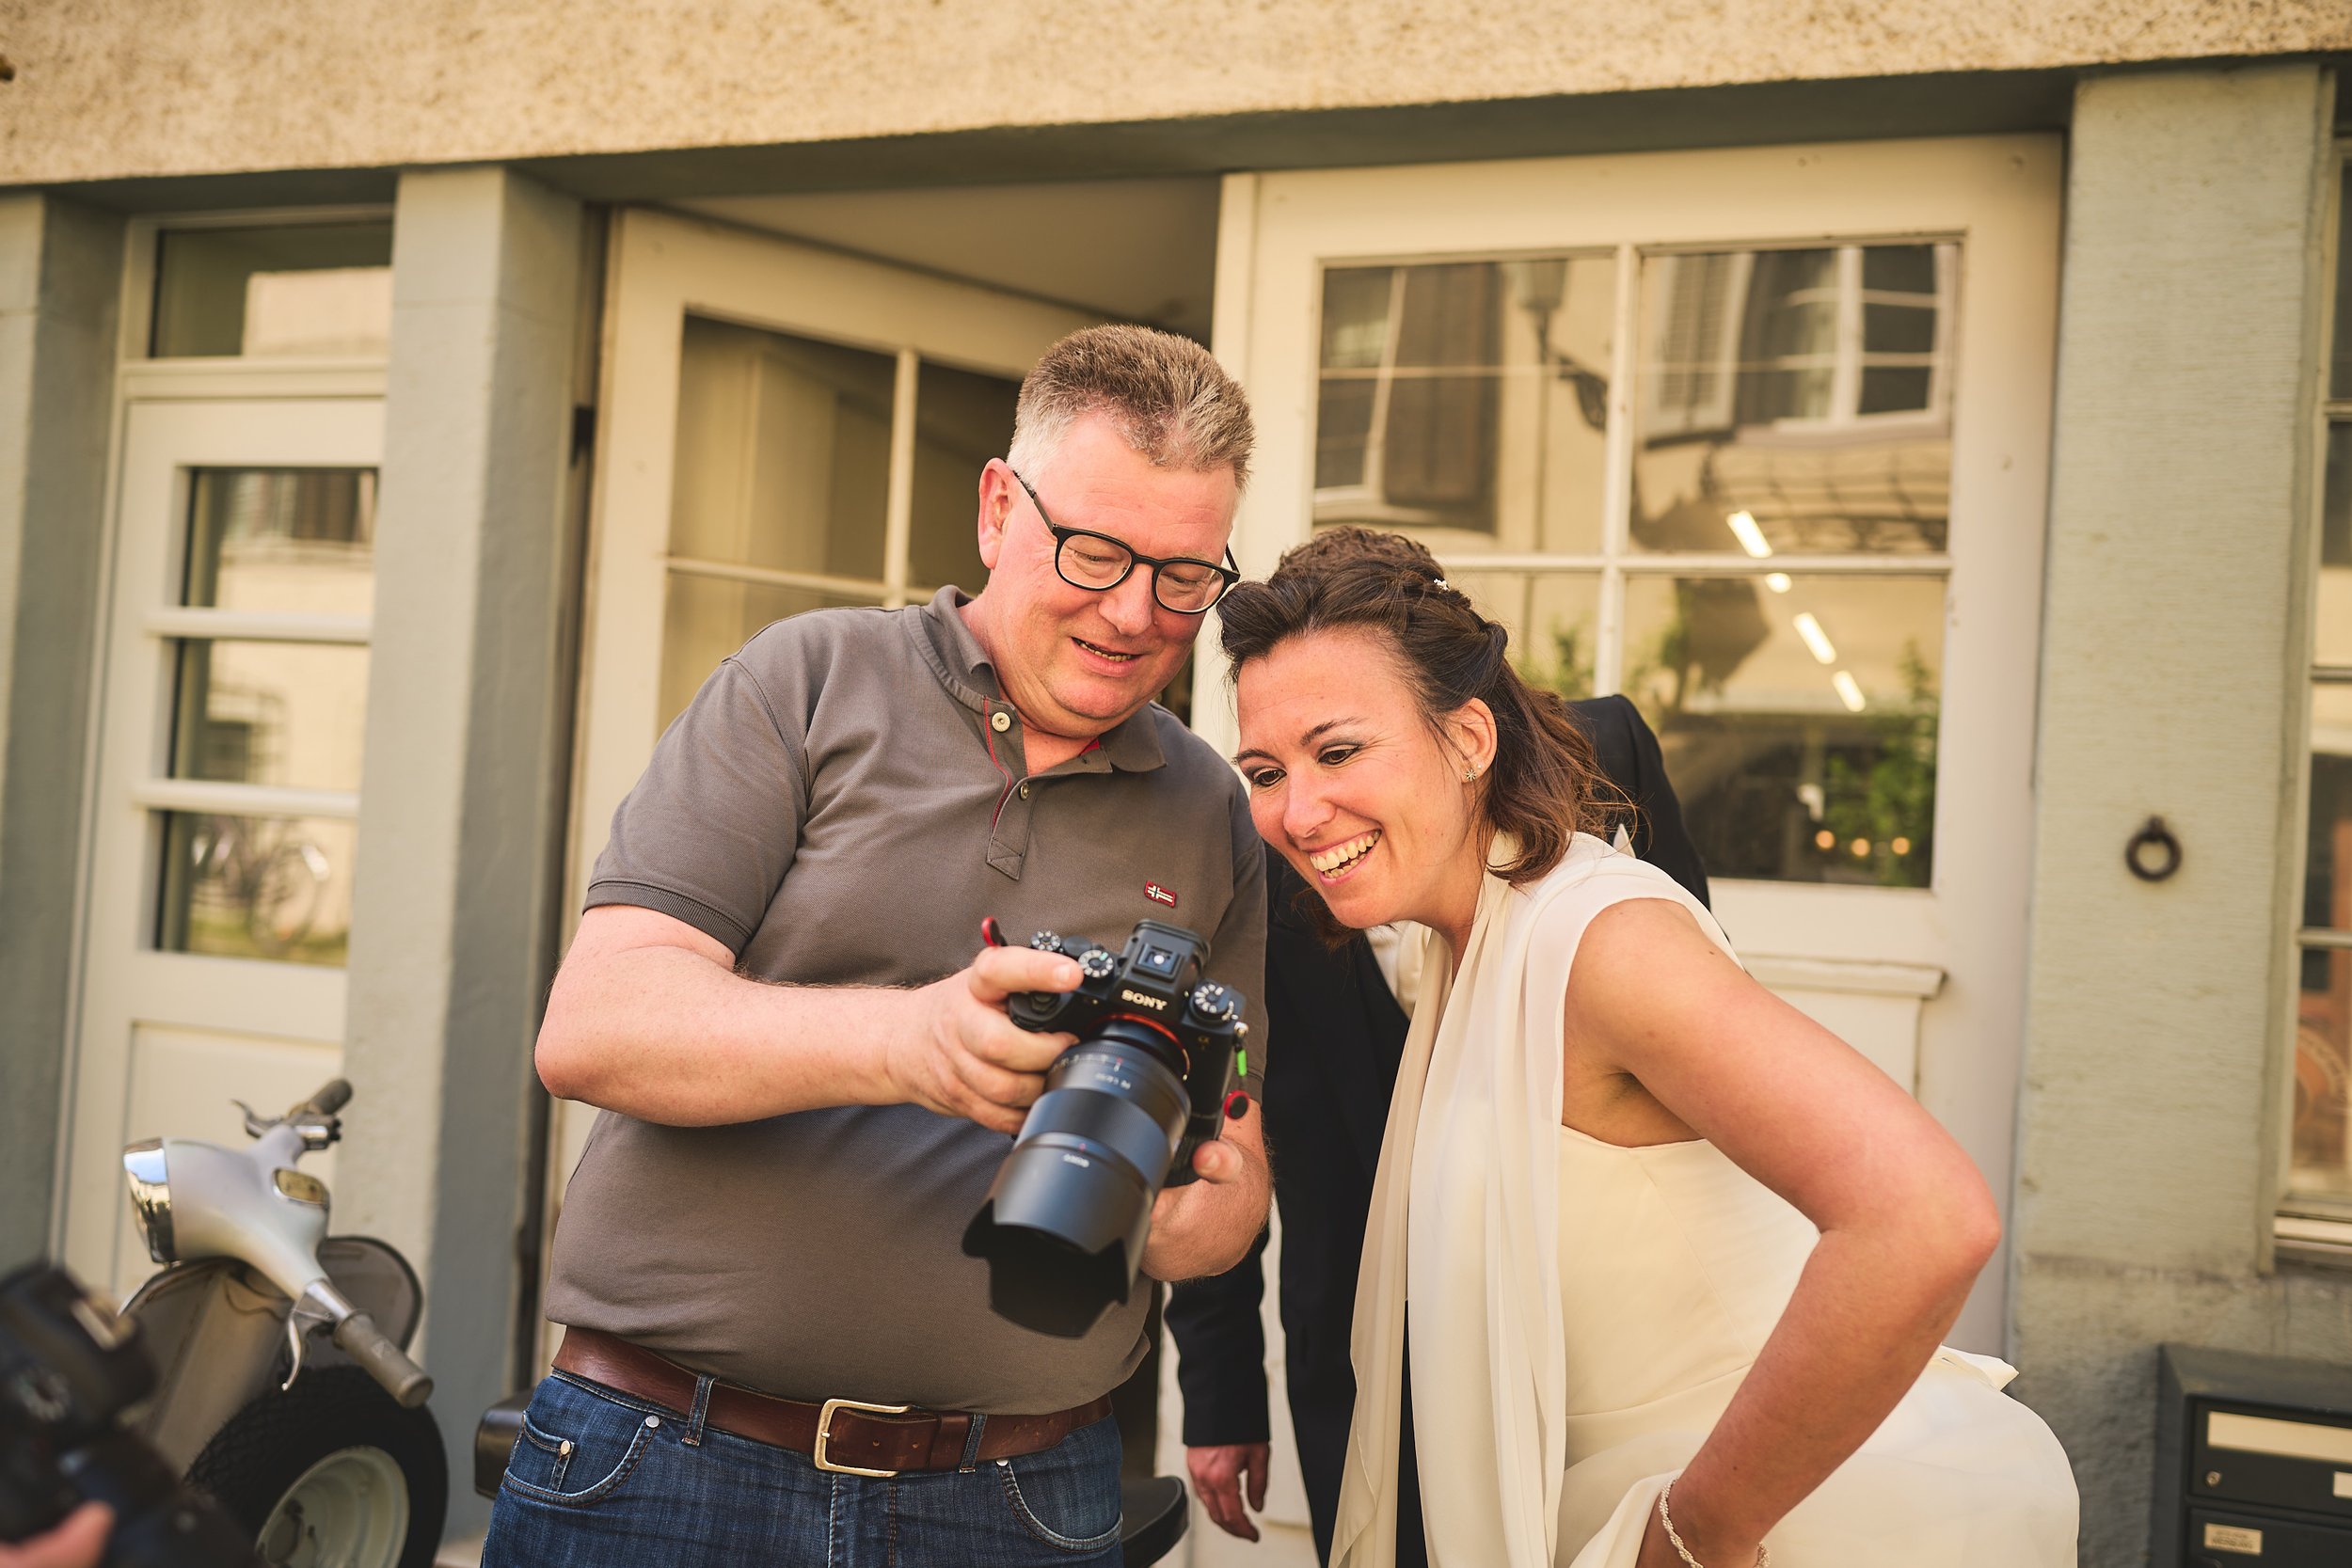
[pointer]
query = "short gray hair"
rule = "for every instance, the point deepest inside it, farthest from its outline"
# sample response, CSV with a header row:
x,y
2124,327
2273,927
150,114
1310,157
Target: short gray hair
x,y
1170,399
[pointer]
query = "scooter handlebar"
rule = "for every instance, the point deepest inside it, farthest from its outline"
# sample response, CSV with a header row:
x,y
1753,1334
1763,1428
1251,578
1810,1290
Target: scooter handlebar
x,y
332,1096
358,1338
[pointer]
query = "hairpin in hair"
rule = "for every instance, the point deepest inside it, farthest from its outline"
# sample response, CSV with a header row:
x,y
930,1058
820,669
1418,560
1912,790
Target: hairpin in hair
x,y
1441,582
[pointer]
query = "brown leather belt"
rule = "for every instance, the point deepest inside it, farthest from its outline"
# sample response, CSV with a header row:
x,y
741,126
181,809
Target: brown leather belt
x,y
849,1436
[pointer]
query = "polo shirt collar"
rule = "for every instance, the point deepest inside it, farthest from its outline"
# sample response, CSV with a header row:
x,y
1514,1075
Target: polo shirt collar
x,y
964,667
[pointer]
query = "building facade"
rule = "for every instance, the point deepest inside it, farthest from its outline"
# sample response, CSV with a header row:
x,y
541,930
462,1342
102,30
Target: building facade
x,y
1938,419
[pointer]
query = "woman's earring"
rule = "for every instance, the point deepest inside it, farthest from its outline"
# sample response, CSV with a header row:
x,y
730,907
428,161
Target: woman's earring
x,y
1469,773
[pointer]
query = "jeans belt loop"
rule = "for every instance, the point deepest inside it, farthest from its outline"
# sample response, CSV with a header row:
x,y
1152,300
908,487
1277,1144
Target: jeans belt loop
x,y
972,1445
693,1439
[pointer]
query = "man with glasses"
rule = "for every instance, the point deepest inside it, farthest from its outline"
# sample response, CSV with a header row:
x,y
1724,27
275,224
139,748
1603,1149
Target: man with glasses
x,y
775,1348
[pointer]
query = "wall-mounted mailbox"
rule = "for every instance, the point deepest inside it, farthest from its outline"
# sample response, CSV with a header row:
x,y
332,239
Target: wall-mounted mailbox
x,y
2253,1462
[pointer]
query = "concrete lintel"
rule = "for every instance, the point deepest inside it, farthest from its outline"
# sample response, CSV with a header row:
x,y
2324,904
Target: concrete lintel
x,y
455,889
1936,104
60,280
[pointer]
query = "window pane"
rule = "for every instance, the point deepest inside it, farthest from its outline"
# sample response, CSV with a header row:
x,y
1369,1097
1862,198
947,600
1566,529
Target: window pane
x,y
783,455
1467,401
962,419
270,713
2322,1160
2332,637
257,887
282,539
1799,719
709,619
2327,858
1754,404
1552,618
301,290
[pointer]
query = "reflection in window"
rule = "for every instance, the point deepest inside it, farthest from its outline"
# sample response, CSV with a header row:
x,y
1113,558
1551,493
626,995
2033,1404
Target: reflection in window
x,y
270,713
297,540
1790,412
1804,391
256,887
1798,715
303,290
1467,400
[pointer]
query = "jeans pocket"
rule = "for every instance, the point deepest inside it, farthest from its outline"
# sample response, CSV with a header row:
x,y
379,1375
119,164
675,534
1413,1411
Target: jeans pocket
x,y
575,1447
1068,1495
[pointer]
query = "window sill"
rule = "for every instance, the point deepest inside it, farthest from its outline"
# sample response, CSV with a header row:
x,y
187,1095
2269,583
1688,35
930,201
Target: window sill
x,y
2311,1240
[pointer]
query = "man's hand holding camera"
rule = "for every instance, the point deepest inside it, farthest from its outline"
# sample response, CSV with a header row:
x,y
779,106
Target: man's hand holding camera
x,y
1205,1226
965,1057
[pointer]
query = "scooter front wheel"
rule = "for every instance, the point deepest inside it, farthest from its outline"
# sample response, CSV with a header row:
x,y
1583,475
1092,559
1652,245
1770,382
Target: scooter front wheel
x,y
330,1474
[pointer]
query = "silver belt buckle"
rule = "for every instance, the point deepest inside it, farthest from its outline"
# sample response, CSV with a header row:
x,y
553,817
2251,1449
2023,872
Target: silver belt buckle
x,y
824,1435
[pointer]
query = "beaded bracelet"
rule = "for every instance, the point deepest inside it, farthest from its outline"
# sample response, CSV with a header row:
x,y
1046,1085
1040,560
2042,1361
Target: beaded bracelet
x,y
1763,1552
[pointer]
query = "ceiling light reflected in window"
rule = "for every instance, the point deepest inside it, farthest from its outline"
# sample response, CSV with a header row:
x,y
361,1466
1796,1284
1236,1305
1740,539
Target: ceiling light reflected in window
x,y
1815,638
1742,525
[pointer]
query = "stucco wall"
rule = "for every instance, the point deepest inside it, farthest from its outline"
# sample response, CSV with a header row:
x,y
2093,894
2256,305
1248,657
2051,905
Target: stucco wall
x,y
127,88
2178,527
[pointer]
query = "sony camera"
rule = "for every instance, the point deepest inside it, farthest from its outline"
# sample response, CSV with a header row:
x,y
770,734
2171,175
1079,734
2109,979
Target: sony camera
x,y
1154,1074
68,1369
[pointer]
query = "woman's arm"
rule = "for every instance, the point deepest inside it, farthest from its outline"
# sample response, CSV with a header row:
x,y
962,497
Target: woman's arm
x,y
1906,1221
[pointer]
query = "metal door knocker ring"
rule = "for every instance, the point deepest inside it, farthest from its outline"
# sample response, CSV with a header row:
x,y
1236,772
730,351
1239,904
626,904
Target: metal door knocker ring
x,y
2153,853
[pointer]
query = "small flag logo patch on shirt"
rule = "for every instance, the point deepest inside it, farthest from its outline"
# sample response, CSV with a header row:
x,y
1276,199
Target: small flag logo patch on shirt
x,y
1159,894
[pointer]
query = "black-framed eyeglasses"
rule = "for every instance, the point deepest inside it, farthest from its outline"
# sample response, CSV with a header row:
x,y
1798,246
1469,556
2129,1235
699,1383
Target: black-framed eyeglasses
x,y
1099,563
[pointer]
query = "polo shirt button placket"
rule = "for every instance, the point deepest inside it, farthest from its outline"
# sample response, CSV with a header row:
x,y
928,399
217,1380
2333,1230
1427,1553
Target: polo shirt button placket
x,y
1008,837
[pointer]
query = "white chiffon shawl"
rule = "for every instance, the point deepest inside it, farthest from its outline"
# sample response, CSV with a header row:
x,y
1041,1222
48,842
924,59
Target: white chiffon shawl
x,y
1470,1167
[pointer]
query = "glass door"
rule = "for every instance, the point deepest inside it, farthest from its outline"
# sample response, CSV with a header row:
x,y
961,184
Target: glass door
x,y
1758,439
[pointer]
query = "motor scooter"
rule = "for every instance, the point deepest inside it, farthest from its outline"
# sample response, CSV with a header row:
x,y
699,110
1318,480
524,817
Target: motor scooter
x,y
285,1389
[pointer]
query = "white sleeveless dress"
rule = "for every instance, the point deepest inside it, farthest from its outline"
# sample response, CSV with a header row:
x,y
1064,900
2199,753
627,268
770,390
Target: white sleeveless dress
x,y
1581,1313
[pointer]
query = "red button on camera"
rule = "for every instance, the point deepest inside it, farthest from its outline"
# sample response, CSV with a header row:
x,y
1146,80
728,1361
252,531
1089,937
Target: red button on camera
x,y
1237,1105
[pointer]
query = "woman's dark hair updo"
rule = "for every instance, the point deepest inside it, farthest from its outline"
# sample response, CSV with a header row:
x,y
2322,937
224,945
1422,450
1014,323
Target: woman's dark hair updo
x,y
1544,785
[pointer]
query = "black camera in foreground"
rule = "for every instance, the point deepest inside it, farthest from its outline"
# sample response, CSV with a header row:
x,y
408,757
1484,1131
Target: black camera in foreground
x,y
1154,1075
68,1369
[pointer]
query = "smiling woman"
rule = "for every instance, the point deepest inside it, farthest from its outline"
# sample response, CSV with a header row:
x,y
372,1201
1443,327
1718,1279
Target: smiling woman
x,y
1679,1258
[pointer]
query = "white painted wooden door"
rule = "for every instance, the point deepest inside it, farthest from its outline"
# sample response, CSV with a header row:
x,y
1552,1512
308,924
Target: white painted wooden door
x,y
1759,438
233,692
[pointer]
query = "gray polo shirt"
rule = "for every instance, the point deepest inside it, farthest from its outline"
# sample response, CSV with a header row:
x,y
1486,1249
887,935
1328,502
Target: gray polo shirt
x,y
841,804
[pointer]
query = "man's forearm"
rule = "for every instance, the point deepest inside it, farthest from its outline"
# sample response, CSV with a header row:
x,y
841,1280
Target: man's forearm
x,y
669,1035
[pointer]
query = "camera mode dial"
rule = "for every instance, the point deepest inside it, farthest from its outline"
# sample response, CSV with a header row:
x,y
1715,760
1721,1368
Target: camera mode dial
x,y
1097,963
1046,942
1213,1003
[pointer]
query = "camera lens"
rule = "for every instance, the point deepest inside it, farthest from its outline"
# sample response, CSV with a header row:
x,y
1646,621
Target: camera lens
x,y
1064,1225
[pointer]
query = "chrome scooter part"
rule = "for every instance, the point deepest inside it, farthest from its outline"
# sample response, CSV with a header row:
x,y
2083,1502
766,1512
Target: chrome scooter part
x,y
143,1166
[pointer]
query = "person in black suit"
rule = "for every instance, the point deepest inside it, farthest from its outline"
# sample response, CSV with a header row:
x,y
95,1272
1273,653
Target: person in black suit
x,y
1336,1037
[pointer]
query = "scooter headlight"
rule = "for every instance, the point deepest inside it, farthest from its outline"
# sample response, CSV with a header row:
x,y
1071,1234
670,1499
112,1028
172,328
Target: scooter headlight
x,y
150,1196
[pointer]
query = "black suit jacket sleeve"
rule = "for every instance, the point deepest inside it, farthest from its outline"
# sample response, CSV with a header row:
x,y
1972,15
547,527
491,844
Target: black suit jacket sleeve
x,y
1221,1368
1627,749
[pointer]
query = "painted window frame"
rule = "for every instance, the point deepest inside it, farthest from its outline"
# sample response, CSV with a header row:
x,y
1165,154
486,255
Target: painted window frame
x,y
2307,1225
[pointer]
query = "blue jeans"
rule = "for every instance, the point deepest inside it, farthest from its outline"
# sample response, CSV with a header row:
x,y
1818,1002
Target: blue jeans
x,y
600,1478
